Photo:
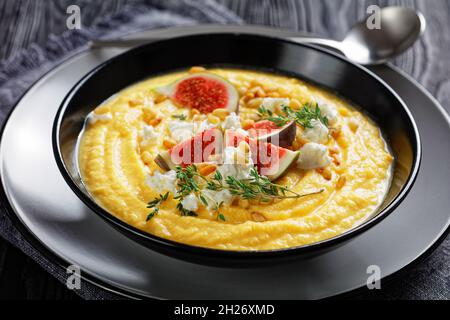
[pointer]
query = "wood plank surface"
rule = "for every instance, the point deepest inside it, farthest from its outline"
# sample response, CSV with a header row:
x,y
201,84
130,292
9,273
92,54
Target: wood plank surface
x,y
27,22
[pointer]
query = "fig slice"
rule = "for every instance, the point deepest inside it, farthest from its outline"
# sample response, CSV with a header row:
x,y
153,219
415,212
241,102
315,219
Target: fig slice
x,y
203,91
267,131
270,160
197,149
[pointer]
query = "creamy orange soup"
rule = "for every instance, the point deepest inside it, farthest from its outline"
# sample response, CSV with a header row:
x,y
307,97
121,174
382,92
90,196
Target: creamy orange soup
x,y
344,166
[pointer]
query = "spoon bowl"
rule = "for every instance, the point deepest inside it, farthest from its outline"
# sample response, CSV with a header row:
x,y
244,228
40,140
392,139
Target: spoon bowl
x,y
399,28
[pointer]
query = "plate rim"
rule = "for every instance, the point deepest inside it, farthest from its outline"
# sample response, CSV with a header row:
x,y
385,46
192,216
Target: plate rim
x,y
220,253
62,263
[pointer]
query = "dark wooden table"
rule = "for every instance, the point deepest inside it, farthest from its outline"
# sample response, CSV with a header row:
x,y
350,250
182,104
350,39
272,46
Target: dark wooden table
x,y
24,22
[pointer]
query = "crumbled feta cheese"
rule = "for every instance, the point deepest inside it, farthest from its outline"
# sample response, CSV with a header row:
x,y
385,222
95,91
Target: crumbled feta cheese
x,y
181,130
313,156
318,133
216,197
273,103
232,122
162,182
149,135
95,117
236,163
190,202
149,102
329,111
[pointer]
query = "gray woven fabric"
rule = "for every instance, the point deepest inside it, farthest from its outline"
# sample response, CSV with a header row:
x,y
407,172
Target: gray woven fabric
x,y
21,71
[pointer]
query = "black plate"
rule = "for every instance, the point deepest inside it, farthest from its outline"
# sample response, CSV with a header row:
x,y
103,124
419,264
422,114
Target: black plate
x,y
255,52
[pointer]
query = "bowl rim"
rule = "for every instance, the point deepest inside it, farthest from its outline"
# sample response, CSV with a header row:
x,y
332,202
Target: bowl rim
x,y
140,235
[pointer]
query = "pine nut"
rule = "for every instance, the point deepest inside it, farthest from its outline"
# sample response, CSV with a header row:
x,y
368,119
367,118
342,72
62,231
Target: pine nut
x,y
206,169
135,102
213,119
341,182
221,113
258,217
169,143
146,157
197,69
247,124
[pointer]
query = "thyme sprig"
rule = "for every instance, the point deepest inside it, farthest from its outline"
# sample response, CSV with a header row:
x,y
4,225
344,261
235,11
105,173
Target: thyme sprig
x,y
155,203
256,187
303,117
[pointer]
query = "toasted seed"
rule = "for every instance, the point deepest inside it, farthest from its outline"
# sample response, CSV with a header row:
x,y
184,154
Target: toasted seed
x,y
213,119
334,150
169,143
135,102
247,124
341,182
353,124
273,94
295,104
254,103
148,114
327,174
336,158
248,96
336,132
260,93
197,117
221,113
258,217
155,122
243,203
242,90
206,169
160,98
146,157
197,69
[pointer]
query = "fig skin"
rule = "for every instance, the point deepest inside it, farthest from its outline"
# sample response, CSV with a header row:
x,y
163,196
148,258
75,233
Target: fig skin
x,y
284,137
284,164
163,161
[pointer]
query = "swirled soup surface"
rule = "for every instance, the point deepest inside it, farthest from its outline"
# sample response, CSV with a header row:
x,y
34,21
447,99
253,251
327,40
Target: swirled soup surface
x,y
115,161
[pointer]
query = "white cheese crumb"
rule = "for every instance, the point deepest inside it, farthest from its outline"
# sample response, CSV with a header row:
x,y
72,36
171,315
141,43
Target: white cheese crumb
x,y
149,135
236,163
95,117
149,102
162,182
273,103
232,121
181,130
329,111
190,202
318,133
313,156
216,197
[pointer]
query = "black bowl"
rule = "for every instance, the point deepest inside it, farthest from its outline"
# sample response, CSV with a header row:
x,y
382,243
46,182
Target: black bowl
x,y
315,65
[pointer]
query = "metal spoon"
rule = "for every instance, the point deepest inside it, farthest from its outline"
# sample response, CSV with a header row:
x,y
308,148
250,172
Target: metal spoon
x,y
400,28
